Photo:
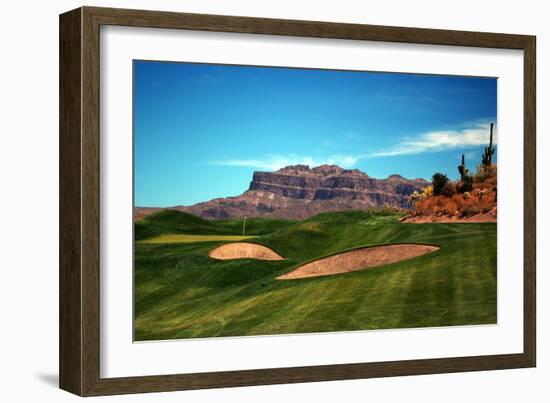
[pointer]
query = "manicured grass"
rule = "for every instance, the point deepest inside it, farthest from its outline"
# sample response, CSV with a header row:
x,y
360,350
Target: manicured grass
x,y
180,292
178,222
186,238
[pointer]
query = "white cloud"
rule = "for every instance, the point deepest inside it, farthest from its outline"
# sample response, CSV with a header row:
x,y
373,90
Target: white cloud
x,y
475,135
274,162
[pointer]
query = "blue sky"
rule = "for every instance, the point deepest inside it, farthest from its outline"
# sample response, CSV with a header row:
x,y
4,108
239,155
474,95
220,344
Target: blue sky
x,y
201,130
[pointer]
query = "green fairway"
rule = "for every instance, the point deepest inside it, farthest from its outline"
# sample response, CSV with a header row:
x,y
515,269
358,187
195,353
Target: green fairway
x,y
180,292
177,222
184,238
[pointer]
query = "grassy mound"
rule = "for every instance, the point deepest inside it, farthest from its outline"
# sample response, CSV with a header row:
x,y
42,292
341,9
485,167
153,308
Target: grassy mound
x,y
184,238
178,222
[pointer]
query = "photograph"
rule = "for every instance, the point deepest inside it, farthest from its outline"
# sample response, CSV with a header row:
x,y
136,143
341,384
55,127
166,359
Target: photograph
x,y
272,200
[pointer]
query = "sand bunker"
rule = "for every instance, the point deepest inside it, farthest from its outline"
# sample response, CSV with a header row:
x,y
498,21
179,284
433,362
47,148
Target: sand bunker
x,y
359,259
243,250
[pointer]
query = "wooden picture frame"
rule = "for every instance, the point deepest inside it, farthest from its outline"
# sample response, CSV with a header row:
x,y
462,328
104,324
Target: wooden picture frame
x,y
79,278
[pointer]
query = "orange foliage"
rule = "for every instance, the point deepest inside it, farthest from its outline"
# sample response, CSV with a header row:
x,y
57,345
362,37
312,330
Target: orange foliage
x,y
481,199
450,207
470,206
491,181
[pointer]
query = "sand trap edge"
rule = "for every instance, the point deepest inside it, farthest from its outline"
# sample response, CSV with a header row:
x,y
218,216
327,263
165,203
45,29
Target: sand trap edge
x,y
359,262
243,250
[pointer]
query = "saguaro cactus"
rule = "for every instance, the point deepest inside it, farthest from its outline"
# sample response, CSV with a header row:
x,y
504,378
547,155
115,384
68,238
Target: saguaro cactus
x,y
487,157
462,169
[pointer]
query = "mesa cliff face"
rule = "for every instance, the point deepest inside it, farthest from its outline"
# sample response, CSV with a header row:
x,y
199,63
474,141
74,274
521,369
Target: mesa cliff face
x,y
329,182
298,192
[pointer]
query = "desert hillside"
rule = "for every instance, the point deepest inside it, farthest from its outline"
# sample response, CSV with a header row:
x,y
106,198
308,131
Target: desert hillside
x,y
472,198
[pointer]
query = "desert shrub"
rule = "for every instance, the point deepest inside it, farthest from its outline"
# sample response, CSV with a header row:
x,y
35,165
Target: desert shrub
x,y
487,201
470,206
428,191
431,203
483,192
440,204
449,189
450,207
483,172
415,197
466,184
491,181
439,181
487,186
427,206
458,199
420,206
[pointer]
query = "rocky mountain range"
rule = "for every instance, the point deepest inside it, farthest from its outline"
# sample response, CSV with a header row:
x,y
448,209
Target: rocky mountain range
x,y
298,192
